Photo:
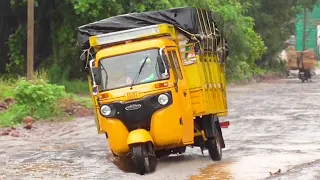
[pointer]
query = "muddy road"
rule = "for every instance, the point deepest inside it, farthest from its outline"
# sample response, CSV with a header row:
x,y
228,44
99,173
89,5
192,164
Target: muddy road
x,y
274,126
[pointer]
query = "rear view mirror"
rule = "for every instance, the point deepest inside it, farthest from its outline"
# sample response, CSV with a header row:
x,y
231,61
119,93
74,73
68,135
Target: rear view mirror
x,y
96,75
161,66
83,57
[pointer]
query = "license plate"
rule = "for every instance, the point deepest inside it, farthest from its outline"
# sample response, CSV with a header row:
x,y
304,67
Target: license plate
x,y
132,95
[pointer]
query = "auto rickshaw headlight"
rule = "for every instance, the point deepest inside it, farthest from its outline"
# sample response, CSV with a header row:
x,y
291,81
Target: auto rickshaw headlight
x,y
163,99
105,110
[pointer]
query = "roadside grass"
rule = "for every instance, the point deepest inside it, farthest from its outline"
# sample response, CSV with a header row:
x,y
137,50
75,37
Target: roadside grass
x,y
38,99
86,101
75,86
267,75
6,89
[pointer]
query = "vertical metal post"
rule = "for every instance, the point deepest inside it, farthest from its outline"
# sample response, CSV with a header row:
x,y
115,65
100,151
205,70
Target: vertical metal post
x,y
30,41
304,35
304,29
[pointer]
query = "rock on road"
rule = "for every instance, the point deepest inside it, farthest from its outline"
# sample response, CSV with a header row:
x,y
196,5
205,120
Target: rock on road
x,y
274,126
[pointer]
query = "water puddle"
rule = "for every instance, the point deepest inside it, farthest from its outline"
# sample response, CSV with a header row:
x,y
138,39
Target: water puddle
x,y
274,118
253,167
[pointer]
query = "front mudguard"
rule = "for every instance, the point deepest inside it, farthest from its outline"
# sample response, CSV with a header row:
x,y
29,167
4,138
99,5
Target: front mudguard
x,y
139,136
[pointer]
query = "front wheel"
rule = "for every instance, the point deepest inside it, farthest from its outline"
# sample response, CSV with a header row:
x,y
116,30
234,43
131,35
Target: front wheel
x,y
214,148
144,159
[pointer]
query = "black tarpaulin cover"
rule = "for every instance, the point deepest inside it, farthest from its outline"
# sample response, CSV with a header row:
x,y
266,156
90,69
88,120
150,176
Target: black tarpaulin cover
x,y
185,18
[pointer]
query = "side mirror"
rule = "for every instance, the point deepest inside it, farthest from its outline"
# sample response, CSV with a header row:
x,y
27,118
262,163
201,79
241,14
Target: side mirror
x,y
83,57
162,68
96,75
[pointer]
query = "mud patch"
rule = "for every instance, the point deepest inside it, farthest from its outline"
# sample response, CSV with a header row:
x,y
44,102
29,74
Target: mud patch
x,y
217,171
49,169
73,108
60,147
5,104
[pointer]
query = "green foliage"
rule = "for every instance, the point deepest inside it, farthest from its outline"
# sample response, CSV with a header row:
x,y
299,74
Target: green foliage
x,y
274,22
17,3
38,98
245,44
253,28
84,100
38,94
56,75
75,86
90,9
309,4
16,65
6,89
278,65
14,115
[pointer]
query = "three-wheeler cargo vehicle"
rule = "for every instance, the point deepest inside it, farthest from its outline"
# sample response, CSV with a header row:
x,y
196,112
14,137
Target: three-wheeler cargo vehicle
x,y
157,81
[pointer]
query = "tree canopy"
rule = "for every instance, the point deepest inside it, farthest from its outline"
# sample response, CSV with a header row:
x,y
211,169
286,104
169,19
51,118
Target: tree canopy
x,y
255,29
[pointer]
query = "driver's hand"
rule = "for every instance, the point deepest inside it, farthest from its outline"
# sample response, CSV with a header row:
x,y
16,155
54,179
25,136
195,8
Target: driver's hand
x,y
129,80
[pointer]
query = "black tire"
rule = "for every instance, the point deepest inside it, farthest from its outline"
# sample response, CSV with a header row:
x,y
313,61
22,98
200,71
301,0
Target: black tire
x,y
153,163
302,77
143,162
214,148
139,159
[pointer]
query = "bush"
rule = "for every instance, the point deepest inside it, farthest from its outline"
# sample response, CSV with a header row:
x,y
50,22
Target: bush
x,y
14,115
57,76
6,91
40,97
37,99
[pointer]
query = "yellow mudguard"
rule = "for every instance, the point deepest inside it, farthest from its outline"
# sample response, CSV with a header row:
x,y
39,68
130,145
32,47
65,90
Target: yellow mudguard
x,y
139,136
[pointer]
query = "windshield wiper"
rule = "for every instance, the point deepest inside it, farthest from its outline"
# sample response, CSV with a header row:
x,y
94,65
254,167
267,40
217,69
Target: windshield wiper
x,y
139,72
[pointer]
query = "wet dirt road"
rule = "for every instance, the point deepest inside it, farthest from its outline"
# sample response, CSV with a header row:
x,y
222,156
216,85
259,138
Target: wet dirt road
x,y
274,126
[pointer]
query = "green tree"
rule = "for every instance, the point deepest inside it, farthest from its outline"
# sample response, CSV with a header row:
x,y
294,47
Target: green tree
x,y
245,44
275,22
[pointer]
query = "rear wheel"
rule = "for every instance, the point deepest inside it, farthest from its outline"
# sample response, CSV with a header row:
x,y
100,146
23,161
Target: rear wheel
x,y
214,148
215,142
144,158
303,76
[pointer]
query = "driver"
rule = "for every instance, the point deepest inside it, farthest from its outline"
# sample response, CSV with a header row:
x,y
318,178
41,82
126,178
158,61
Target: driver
x,y
147,73
117,75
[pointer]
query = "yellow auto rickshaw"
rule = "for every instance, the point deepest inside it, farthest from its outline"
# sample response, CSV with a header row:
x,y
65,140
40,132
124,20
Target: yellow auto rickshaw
x,y
157,81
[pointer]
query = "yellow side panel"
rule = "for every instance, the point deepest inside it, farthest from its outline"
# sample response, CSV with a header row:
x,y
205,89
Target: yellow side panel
x,y
192,75
197,101
207,85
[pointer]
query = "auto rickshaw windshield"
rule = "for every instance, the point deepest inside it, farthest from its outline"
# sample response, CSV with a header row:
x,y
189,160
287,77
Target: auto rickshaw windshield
x,y
120,71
